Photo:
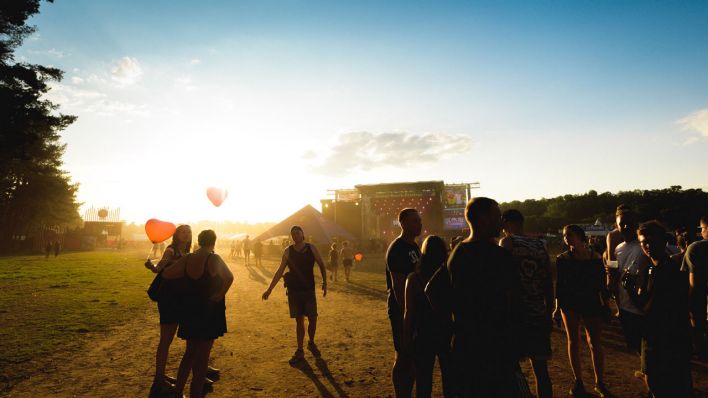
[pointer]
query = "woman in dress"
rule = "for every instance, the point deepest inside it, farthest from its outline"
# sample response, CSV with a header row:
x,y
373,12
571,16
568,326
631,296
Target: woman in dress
x,y
427,331
168,307
206,279
581,294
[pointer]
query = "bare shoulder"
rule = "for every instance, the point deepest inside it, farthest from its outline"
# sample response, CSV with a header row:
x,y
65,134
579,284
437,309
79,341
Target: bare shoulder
x,y
506,243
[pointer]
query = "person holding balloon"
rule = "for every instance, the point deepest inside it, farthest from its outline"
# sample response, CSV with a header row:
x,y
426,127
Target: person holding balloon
x,y
205,281
167,304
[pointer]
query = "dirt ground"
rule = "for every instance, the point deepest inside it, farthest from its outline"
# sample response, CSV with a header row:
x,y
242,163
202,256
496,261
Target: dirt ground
x,y
353,334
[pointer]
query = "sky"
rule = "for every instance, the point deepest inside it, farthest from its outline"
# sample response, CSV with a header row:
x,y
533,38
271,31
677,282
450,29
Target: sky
x,y
281,101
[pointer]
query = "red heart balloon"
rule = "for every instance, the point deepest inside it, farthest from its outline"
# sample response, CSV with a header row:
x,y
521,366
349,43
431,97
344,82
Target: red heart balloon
x,y
159,231
358,256
217,195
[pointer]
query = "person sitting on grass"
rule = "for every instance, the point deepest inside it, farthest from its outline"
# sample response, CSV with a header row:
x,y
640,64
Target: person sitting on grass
x,y
300,258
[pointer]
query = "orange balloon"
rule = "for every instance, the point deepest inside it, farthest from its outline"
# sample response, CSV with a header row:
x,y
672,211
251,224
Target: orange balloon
x,y
159,231
103,213
358,256
217,196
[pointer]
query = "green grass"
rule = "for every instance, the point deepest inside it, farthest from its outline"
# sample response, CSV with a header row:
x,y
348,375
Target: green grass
x,y
50,305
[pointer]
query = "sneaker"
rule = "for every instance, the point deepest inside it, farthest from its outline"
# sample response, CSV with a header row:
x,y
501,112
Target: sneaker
x,y
213,373
297,357
578,389
602,391
313,349
161,388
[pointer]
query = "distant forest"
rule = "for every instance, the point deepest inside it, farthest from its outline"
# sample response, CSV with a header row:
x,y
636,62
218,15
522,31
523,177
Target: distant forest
x,y
674,207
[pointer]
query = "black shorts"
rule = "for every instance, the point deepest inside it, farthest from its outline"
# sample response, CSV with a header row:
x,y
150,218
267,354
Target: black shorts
x,y
347,262
632,326
537,344
302,303
396,331
668,367
169,310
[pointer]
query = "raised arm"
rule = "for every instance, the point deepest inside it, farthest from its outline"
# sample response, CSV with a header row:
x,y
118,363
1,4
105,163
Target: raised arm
x,y
323,270
277,276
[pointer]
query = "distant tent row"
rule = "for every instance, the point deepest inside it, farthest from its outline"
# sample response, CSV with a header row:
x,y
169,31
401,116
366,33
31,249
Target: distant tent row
x,y
313,223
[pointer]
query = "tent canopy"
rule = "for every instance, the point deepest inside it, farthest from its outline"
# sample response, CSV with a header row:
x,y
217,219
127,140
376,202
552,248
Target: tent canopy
x,y
313,223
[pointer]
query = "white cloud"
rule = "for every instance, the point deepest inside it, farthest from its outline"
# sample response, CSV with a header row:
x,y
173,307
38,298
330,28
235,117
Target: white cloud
x,y
195,61
696,122
77,80
126,71
185,83
78,100
56,53
367,151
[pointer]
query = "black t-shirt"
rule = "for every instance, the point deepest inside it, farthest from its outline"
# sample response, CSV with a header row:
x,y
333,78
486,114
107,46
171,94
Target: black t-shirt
x,y
485,303
401,258
666,311
695,261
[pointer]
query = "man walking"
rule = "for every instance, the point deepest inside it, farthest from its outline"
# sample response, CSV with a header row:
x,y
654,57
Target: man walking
x,y
300,258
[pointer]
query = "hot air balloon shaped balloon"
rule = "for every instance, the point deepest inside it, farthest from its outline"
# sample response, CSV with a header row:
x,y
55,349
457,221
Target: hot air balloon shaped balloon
x,y
159,231
217,196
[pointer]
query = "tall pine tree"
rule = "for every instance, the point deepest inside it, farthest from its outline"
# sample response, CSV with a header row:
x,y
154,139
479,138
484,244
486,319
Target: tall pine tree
x,y
34,191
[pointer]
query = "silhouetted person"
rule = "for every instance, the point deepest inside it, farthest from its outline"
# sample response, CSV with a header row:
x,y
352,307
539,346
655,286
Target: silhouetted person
x,y
247,251
168,306
536,297
300,258
695,262
632,265
582,295
258,252
347,256
401,259
47,250
203,312
485,289
427,332
333,262
57,248
665,333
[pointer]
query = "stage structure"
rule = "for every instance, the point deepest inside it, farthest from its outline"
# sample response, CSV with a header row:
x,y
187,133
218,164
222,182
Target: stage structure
x,y
102,227
371,211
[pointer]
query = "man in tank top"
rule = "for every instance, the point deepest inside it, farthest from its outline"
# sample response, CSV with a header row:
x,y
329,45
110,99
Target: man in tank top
x,y
300,258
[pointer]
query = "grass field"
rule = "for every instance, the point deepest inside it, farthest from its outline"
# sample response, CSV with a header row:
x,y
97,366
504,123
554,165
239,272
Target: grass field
x,y
50,305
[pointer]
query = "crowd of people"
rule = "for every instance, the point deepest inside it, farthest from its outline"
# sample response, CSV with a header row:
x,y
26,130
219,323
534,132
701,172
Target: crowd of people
x,y
479,304
491,304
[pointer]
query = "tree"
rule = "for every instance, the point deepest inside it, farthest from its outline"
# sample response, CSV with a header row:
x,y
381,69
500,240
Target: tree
x,y
34,191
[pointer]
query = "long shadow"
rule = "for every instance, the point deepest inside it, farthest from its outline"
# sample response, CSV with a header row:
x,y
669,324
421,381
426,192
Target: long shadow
x,y
264,271
363,290
305,368
322,366
254,275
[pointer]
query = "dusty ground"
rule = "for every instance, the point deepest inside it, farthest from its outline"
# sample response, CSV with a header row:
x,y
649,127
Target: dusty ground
x,y
353,334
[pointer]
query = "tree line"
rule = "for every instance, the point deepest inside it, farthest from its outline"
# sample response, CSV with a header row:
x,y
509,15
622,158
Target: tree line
x,y
674,207
35,192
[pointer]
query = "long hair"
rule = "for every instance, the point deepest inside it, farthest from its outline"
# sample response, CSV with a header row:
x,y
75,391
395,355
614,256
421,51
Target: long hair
x,y
177,245
434,255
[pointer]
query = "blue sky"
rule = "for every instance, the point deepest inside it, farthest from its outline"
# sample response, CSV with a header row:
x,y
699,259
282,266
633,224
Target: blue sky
x,y
280,101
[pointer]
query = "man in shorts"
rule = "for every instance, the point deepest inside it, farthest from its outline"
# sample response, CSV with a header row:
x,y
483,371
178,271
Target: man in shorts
x,y
300,258
401,258
347,256
536,296
665,348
